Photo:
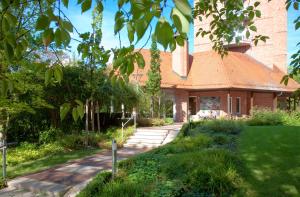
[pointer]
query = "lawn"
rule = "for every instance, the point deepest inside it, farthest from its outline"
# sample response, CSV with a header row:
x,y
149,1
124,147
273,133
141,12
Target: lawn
x,y
271,158
47,162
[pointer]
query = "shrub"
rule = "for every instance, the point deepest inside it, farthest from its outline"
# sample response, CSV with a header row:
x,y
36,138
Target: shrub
x,y
215,126
149,122
261,116
50,135
95,187
3,183
80,141
28,151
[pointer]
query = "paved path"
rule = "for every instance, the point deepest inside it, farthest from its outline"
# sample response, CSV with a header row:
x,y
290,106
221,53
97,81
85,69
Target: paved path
x,y
68,179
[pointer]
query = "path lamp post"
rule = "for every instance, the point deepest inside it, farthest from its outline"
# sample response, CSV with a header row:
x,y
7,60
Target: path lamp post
x,y
134,117
123,117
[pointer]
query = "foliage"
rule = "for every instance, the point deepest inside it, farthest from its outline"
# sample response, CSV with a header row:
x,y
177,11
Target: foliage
x,y
148,122
214,126
27,152
188,166
154,78
47,162
3,183
260,116
53,141
95,187
50,135
30,26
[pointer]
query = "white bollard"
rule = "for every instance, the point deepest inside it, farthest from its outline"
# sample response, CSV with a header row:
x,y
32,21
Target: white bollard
x,y
114,158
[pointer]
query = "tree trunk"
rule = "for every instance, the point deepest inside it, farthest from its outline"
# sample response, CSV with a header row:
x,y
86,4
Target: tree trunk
x,y
151,107
87,115
159,106
98,116
164,109
93,115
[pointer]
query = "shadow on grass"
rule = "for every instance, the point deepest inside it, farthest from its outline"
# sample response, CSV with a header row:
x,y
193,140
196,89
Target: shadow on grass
x,y
271,159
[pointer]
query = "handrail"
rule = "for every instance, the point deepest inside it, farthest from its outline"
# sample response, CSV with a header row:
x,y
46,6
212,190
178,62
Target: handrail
x,y
124,124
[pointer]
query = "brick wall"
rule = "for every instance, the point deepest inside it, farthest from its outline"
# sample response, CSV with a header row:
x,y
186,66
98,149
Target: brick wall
x,y
181,101
264,100
273,23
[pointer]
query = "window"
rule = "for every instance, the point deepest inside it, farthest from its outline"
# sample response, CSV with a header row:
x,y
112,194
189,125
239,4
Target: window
x,y
238,105
210,103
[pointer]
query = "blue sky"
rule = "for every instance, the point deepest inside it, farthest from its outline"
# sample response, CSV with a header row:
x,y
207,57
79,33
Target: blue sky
x,y
83,23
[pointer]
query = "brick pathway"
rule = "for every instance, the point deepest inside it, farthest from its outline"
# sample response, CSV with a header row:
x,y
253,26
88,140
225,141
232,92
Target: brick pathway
x,y
66,179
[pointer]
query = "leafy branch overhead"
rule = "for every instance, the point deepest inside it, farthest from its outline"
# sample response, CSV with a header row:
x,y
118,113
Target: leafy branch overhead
x,y
32,28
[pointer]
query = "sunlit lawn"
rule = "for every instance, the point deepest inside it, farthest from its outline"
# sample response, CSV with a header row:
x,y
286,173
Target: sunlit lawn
x,y
271,156
47,162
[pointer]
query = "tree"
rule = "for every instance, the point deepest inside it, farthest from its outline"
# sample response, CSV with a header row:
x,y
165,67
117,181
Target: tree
x,y
154,77
25,22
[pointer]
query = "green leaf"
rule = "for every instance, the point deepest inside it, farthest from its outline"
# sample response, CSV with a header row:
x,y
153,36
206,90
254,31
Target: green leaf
x,y
247,34
86,5
163,32
58,37
297,25
80,111
9,51
184,7
11,19
256,4
42,23
79,102
296,5
68,26
75,114
64,109
253,28
140,60
5,26
142,25
48,36
258,13
66,3
119,22
180,21
58,73
48,76
130,31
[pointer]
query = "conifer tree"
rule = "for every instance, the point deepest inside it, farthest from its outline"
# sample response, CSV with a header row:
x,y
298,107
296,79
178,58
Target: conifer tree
x,y
154,77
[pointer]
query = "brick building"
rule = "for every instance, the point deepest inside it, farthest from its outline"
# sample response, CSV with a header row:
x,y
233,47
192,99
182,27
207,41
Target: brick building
x,y
204,84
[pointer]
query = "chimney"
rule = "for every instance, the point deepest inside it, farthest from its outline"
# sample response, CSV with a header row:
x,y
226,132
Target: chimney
x,y
180,60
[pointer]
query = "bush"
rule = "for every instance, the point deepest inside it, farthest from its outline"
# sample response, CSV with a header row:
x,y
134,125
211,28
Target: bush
x,y
3,183
80,141
50,135
260,116
214,126
28,151
149,122
95,187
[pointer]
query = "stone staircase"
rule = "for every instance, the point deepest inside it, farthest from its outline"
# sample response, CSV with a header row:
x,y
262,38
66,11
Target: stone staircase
x,y
150,137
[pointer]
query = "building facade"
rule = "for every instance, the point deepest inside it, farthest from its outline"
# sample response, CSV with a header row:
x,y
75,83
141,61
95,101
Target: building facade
x,y
203,84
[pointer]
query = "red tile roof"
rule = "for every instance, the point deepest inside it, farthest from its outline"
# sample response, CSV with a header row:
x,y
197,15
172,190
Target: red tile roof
x,y
209,71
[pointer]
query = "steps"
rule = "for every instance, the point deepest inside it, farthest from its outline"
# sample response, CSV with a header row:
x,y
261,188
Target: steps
x,y
147,138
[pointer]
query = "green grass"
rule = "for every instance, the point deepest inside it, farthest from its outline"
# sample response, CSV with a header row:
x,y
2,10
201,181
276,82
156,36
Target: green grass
x,y
47,162
271,158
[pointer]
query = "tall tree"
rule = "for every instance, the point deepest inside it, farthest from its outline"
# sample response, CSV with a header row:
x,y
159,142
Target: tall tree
x,y
154,77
